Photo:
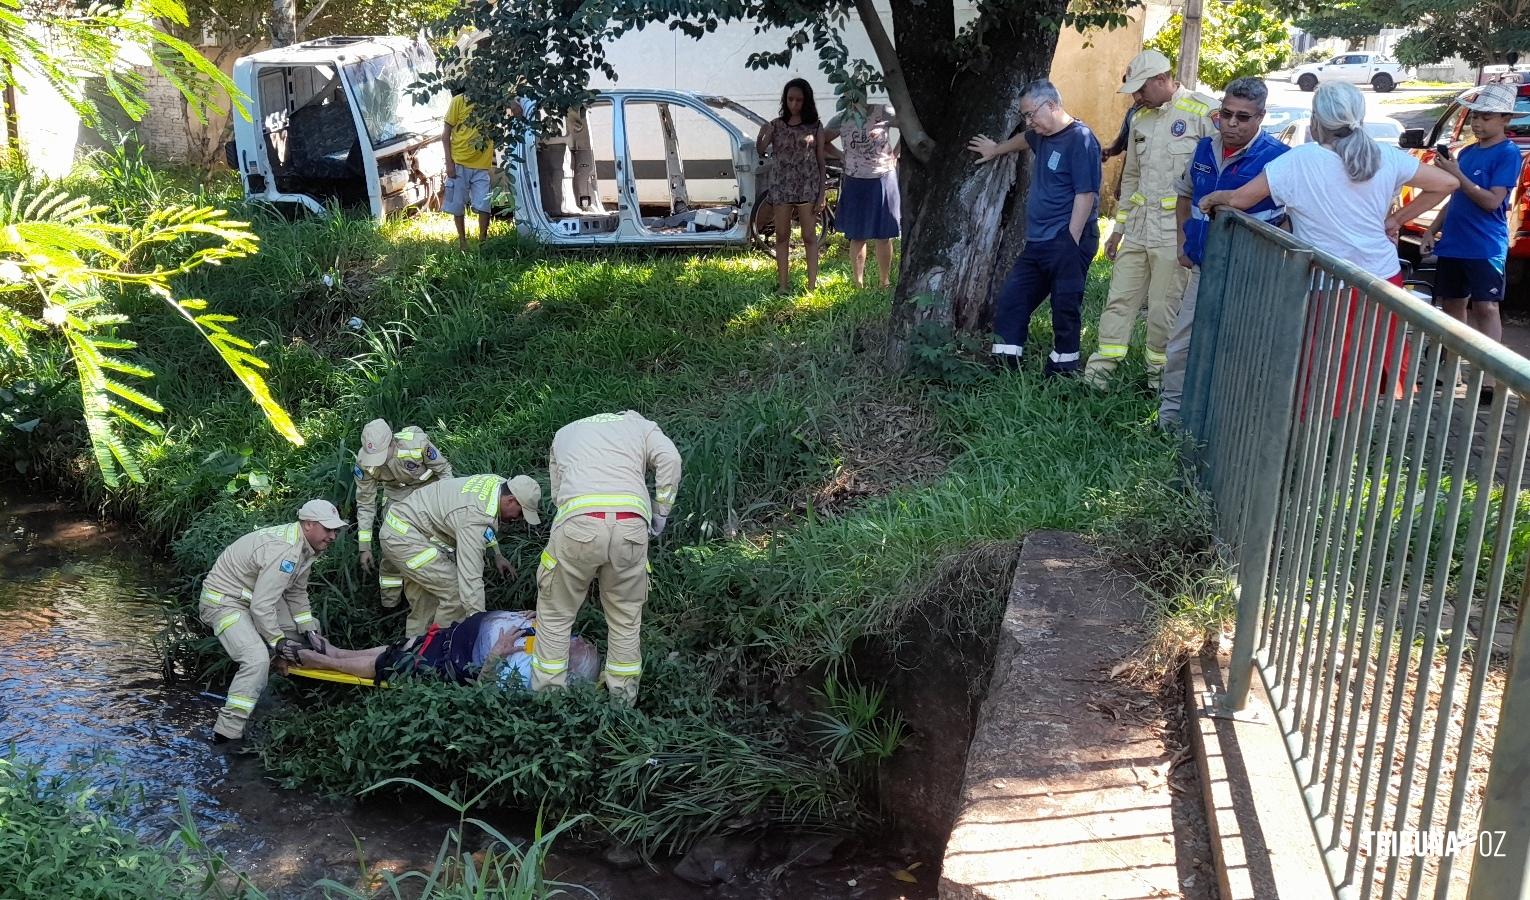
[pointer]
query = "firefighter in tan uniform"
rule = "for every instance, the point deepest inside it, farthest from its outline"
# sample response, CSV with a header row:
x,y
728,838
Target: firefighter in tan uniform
x,y
437,536
255,600
599,472
395,463
1144,245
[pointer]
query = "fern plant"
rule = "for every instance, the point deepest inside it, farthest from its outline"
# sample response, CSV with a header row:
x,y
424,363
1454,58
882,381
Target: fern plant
x,y
61,263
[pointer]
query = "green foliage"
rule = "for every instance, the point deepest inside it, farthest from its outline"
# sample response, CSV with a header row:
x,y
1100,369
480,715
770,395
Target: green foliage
x,y
61,837
1237,39
1478,31
68,44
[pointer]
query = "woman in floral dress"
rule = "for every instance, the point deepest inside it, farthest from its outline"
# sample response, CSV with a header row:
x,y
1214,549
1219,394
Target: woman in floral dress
x,y
795,144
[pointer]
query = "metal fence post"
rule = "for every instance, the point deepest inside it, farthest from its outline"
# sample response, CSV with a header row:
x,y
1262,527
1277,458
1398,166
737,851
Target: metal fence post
x,y
1196,405
1502,868
1265,470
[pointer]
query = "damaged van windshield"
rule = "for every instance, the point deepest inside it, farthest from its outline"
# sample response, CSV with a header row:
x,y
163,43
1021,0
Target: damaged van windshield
x,y
388,109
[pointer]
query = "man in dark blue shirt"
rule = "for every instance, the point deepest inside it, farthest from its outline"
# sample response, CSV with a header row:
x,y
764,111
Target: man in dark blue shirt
x,y
1061,234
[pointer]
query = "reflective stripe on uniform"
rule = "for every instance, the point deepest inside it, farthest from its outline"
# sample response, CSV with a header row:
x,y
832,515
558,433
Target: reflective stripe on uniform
x,y
423,557
1192,106
487,488
1007,349
1169,202
1137,199
1063,357
216,598
1121,216
237,701
602,417
390,581
1155,359
303,618
548,666
666,495
410,454
1112,351
225,623
548,562
628,670
426,473
592,501
395,523
364,537
406,435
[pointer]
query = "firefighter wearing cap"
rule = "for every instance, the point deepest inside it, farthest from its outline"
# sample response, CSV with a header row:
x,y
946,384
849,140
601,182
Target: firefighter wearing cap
x,y
437,536
1144,245
599,472
255,600
395,463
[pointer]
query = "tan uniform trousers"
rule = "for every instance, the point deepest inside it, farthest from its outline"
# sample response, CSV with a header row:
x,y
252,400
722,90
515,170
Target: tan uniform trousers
x,y
584,548
236,631
389,578
429,572
1150,276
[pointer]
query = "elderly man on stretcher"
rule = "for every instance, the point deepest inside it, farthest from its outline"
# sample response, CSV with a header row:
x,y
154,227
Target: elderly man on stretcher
x,y
493,645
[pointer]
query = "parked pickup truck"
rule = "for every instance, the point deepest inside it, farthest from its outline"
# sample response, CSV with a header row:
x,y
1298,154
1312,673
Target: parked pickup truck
x,y
1360,67
1452,129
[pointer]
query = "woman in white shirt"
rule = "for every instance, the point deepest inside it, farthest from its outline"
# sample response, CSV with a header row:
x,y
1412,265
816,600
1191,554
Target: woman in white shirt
x,y
1338,191
868,194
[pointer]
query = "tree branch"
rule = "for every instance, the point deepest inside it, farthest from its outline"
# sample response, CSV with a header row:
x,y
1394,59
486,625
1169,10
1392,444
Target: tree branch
x,y
312,14
918,142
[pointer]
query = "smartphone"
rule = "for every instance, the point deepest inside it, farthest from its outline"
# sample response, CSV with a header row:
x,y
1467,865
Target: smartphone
x,y
1443,150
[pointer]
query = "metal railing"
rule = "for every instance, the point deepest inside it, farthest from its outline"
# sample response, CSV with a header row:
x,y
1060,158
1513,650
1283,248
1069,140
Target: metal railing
x,y
1373,521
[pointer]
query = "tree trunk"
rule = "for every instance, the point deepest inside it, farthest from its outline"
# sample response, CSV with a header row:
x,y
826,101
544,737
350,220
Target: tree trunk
x,y
284,23
966,221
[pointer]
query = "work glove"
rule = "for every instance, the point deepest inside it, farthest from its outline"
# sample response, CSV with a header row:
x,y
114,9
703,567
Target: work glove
x,y
316,642
656,525
287,650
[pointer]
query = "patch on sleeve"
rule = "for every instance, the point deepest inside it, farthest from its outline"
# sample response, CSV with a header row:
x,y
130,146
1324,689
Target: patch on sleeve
x,y
488,536
356,471
430,453
289,566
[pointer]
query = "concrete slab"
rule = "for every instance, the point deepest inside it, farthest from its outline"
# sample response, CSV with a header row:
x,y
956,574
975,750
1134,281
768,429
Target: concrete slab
x,y
1261,837
1067,786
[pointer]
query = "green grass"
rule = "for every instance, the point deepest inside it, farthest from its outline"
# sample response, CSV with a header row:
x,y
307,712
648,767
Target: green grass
x,y
822,499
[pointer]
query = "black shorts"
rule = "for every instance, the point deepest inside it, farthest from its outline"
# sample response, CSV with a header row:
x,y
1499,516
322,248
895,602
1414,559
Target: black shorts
x,y
1468,279
398,659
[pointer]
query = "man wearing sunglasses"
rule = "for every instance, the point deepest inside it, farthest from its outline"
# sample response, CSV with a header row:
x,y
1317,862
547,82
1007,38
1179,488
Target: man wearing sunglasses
x,y
1226,161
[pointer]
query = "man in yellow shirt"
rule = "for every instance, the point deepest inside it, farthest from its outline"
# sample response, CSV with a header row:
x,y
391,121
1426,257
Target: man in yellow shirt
x,y
469,165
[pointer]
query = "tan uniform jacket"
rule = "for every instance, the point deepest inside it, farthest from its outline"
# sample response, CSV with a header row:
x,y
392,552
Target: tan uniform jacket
x,y
1158,152
259,572
600,464
412,462
458,514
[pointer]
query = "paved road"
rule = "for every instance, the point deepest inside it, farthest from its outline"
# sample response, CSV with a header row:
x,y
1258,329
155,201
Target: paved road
x,y
1405,104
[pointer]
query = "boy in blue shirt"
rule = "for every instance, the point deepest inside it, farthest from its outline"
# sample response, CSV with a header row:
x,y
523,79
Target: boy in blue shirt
x,y
1061,234
1471,234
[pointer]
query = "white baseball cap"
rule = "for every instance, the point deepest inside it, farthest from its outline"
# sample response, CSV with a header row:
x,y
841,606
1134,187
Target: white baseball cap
x,y
528,492
323,512
376,441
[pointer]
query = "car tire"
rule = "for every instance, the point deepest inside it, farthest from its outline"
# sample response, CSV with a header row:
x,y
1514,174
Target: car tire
x,y
1383,83
1307,82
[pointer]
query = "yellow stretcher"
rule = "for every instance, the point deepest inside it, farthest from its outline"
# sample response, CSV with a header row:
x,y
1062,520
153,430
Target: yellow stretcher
x,y
337,677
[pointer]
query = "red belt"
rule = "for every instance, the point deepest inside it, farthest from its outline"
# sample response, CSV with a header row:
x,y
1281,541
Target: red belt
x,y
620,517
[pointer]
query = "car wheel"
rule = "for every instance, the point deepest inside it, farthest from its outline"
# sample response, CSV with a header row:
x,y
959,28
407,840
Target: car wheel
x,y
1383,83
1307,82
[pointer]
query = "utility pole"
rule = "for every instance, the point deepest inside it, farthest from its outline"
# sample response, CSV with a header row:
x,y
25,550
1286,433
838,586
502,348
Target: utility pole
x,y
1190,45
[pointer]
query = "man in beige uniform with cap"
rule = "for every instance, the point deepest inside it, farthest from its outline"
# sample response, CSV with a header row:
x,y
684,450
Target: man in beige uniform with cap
x,y
395,463
1145,242
599,472
436,538
255,600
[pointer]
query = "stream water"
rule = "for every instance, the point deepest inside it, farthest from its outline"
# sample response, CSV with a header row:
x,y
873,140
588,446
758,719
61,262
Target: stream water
x,y
81,687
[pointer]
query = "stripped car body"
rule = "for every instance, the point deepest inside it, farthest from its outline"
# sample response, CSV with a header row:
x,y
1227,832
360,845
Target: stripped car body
x,y
642,167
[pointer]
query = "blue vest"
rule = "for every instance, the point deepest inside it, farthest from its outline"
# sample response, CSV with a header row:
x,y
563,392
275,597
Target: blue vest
x,y
1207,175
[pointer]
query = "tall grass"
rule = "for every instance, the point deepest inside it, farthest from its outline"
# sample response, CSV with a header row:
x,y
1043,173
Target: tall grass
x,y
821,498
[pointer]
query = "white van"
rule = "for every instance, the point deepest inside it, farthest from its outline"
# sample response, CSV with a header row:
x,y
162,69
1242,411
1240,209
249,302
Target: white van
x,y
334,123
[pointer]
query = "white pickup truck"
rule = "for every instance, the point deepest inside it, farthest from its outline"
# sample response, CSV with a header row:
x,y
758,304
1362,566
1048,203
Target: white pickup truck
x,y
1358,67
